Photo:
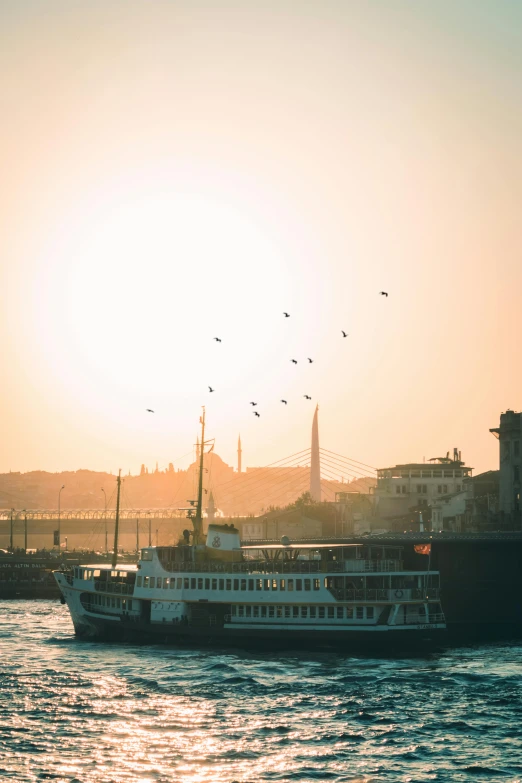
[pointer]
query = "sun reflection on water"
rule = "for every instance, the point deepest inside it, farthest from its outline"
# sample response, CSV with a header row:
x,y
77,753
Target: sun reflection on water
x,y
77,712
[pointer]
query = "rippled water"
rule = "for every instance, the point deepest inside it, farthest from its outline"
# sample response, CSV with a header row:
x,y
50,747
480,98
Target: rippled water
x,y
98,713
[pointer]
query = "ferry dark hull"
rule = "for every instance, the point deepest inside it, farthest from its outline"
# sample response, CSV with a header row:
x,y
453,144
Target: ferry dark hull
x,y
384,642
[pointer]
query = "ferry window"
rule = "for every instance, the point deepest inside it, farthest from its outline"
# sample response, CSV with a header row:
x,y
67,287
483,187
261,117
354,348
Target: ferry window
x,y
166,582
255,611
312,611
146,554
173,583
248,611
236,584
240,611
229,584
153,581
138,581
145,581
360,612
118,603
267,584
186,583
287,611
263,611
317,584
97,573
129,604
304,612
113,603
259,584
193,583
179,582
233,611
200,584
445,489
274,584
243,584
207,584
349,612
290,585
279,611
340,613
326,582
331,610
270,611
221,584
214,584
369,612
282,584
298,584
439,489
321,612
250,584
295,611
397,490
307,584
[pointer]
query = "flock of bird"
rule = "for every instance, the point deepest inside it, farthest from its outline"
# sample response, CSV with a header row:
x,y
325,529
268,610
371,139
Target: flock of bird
x,y
294,361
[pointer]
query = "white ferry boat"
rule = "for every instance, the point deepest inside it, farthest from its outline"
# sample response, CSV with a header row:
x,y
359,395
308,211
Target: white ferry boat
x,y
219,592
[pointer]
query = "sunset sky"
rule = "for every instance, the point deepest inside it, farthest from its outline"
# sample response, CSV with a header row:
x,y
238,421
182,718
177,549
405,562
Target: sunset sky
x,y
174,171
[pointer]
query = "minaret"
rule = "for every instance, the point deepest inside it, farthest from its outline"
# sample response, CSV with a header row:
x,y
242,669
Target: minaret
x,y
315,466
211,508
239,452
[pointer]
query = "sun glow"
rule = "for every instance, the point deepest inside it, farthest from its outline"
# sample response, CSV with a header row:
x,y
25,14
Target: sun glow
x,y
132,288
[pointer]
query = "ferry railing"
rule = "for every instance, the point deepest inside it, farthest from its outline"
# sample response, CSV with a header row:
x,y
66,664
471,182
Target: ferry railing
x,y
379,594
437,617
117,588
285,567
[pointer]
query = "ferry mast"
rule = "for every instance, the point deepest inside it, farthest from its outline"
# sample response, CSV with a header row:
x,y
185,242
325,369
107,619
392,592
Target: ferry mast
x,y
116,524
197,520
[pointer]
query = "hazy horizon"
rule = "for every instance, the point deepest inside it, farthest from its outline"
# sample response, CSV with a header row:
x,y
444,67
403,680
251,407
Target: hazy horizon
x,y
178,171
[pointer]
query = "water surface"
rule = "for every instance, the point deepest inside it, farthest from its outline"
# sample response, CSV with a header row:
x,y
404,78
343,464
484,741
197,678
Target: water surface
x,y
103,713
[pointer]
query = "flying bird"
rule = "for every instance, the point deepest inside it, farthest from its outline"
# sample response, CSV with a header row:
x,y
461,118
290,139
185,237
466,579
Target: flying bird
x,y
383,293
217,339
310,360
294,361
307,397
344,333
149,410
286,315
210,389
285,402
257,414
253,403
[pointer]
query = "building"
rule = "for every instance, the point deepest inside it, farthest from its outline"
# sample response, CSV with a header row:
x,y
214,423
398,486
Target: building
x,y
417,485
509,434
451,512
292,523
